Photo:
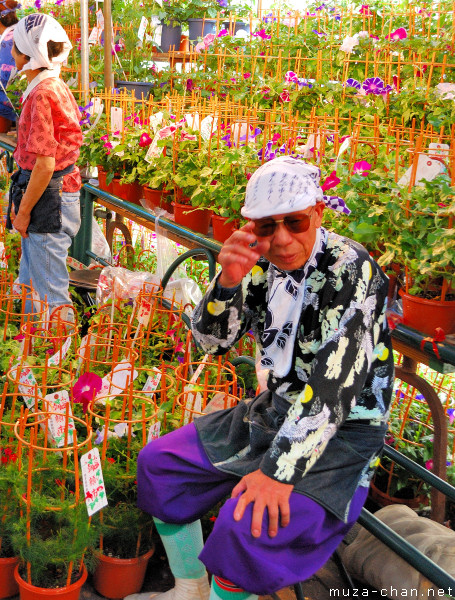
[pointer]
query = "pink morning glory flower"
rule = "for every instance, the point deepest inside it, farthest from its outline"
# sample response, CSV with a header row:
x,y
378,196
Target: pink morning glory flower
x,y
284,96
262,34
85,388
290,77
361,168
330,182
145,140
398,34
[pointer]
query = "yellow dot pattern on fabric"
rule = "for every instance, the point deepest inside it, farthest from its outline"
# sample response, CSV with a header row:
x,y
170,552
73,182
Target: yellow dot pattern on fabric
x,y
308,393
371,271
215,308
375,462
384,354
256,270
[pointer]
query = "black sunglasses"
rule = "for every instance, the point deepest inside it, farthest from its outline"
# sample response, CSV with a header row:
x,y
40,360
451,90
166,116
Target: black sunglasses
x,y
293,223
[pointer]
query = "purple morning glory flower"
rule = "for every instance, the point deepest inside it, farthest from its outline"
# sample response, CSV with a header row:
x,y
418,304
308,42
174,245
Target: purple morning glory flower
x,y
222,3
373,85
227,140
353,83
387,89
38,4
451,415
318,32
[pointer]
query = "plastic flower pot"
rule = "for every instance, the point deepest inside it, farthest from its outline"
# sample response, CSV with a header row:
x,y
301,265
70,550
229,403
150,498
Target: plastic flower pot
x,y
233,28
118,577
5,125
31,592
426,315
200,27
222,229
141,89
170,37
131,192
102,174
156,199
8,585
192,218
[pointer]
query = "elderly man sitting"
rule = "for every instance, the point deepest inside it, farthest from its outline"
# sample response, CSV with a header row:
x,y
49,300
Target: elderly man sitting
x,y
296,460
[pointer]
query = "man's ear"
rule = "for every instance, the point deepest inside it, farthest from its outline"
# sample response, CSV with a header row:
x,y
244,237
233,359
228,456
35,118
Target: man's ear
x,y
318,211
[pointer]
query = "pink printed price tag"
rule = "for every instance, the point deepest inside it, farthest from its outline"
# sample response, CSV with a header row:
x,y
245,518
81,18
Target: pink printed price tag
x,y
92,479
144,312
26,385
154,432
152,382
60,430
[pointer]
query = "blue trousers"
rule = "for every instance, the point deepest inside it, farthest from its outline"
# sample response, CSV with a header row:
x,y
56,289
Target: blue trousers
x,y
43,260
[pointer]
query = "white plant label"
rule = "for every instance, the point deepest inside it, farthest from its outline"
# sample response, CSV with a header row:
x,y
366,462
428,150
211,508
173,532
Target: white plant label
x,y
156,120
100,19
95,35
427,168
192,120
142,27
3,261
118,379
93,481
153,150
208,126
116,120
194,400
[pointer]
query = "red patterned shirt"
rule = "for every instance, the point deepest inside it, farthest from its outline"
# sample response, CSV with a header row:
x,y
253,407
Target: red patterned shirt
x,y
49,125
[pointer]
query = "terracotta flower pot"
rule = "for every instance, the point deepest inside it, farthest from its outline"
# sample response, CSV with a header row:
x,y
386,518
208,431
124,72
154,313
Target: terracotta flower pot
x,y
5,125
384,499
194,219
8,585
221,228
31,592
118,577
156,199
131,192
426,315
102,174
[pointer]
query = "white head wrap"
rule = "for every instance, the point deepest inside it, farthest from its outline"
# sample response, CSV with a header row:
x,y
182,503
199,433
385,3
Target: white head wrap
x,y
285,185
31,36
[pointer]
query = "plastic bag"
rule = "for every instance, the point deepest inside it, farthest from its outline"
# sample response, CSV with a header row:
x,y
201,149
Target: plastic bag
x,y
100,247
185,291
166,251
125,285
122,284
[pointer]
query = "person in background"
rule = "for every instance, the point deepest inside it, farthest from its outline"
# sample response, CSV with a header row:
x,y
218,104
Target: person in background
x,y
44,192
297,459
8,20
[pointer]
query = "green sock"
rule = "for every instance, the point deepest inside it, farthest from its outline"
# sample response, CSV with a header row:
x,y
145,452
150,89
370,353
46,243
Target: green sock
x,y
222,589
183,544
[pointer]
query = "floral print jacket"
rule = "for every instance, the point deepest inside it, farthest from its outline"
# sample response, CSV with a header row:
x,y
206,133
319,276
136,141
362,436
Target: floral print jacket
x,y
342,365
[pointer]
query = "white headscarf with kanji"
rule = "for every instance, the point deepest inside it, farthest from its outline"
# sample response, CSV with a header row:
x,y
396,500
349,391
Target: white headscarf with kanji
x,y
285,185
31,35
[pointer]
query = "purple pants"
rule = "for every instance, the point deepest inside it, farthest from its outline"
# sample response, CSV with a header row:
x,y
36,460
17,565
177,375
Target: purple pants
x,y
178,484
